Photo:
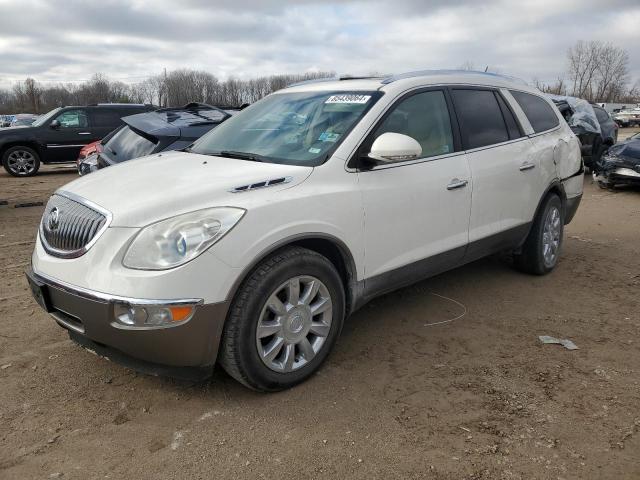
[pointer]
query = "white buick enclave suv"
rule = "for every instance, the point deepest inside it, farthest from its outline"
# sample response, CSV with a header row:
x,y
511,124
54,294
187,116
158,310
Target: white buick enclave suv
x,y
252,246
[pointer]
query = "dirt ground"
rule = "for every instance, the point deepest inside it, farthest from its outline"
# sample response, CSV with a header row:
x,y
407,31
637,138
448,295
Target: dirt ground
x,y
476,398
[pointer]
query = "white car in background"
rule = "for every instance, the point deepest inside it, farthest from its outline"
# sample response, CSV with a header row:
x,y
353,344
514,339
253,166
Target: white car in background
x,y
252,246
627,118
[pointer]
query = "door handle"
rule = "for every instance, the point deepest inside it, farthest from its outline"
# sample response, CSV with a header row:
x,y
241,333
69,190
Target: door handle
x,y
456,183
527,166
84,133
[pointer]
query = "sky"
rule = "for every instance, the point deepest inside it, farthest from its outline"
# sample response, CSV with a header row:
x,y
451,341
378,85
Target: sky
x,y
129,40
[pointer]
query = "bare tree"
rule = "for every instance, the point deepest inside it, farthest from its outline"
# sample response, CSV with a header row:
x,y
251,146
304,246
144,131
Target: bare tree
x,y
599,71
557,88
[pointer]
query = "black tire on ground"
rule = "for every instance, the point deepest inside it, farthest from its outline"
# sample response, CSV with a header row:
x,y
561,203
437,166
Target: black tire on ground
x,y
532,259
238,350
12,157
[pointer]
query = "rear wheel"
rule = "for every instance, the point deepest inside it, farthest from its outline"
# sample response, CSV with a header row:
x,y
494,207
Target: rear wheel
x,y
21,161
541,249
284,320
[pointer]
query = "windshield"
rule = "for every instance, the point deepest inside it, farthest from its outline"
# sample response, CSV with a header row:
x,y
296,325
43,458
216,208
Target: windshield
x,y
291,128
46,117
127,144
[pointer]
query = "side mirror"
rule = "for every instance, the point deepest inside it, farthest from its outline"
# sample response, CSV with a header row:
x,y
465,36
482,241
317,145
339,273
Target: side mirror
x,y
55,124
394,147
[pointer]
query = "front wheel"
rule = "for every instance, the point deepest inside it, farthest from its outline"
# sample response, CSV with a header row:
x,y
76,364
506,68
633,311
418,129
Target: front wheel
x,y
541,249
21,161
284,320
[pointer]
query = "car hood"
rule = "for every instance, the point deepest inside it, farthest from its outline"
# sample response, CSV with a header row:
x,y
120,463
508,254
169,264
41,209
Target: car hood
x,y
149,189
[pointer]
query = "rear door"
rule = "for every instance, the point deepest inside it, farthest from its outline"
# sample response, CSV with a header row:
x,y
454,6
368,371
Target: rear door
x,y
64,142
105,120
503,170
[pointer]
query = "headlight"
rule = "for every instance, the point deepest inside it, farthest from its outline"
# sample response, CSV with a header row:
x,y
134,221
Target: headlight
x,y
178,240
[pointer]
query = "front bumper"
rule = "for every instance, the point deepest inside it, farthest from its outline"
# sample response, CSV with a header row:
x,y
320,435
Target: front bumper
x,y
88,316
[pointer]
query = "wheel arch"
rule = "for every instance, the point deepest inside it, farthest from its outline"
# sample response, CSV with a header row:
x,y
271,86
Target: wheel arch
x,y
334,249
556,188
21,143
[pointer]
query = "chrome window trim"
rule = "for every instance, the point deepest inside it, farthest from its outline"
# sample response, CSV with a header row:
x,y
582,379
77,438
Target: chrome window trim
x,y
108,298
384,166
57,145
76,253
558,127
496,145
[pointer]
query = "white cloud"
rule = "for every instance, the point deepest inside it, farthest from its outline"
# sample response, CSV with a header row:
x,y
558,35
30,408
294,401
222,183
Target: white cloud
x,y
67,41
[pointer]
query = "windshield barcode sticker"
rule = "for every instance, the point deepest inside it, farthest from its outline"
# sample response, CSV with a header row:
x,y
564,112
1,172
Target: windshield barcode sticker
x,y
350,98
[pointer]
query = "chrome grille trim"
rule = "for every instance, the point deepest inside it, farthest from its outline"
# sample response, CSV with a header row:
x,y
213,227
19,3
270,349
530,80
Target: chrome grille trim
x,y
82,223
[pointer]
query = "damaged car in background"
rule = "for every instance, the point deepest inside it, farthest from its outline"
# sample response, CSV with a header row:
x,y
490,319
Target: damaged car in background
x,y
162,130
620,165
595,129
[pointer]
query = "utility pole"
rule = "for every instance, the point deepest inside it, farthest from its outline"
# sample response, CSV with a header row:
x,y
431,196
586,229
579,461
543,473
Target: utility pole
x,y
166,89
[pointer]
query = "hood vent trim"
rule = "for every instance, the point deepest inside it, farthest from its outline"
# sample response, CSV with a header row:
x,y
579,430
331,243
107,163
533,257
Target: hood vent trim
x,y
262,184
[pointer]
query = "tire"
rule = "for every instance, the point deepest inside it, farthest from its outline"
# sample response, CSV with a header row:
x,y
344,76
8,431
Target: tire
x,y
21,161
542,247
266,291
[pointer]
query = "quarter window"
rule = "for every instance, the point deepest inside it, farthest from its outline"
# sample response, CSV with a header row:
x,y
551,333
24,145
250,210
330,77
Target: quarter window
x,y
540,114
425,118
480,118
73,119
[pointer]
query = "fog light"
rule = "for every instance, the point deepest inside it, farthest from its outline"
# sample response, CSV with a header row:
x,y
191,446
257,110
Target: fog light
x,y
139,316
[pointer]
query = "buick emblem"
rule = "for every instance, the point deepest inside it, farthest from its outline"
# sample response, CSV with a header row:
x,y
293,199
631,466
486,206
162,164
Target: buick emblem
x,y
54,218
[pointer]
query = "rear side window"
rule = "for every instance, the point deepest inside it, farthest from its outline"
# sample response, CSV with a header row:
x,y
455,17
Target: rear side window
x,y
540,114
425,118
601,114
105,118
480,118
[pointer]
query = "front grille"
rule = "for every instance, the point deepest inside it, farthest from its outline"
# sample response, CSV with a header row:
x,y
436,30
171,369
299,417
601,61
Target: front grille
x,y
69,227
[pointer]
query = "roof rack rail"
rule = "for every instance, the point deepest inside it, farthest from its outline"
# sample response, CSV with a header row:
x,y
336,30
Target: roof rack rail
x,y
360,77
314,80
424,73
118,104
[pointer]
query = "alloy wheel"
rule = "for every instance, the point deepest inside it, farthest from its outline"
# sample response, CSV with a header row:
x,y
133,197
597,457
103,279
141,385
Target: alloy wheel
x,y
551,236
294,324
21,162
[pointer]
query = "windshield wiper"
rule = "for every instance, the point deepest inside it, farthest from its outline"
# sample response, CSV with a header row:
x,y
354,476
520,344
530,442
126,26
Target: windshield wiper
x,y
240,155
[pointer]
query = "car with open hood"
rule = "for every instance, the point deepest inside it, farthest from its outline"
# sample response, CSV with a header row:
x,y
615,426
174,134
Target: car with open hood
x,y
251,247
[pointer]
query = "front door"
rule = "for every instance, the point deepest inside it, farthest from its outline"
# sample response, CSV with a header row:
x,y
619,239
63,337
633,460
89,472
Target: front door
x,y
416,212
63,143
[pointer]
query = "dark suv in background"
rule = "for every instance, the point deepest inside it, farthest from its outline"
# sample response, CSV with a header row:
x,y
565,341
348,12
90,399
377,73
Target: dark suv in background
x,y
158,131
58,136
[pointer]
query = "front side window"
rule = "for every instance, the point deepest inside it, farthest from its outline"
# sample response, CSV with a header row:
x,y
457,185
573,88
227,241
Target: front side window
x,y
73,119
425,118
301,128
540,114
480,117
127,144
